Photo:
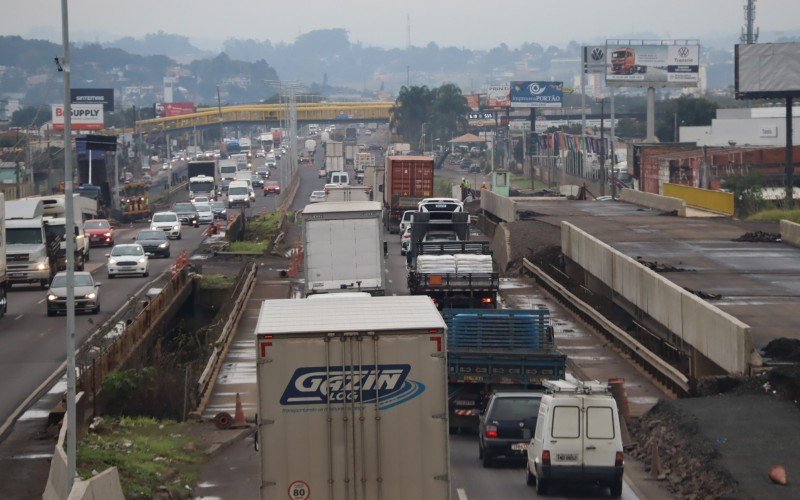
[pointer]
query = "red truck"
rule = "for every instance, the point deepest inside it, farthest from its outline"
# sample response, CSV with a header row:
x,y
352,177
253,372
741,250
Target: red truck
x,y
409,179
623,62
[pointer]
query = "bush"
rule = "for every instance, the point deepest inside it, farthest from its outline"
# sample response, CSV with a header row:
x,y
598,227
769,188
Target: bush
x,y
776,214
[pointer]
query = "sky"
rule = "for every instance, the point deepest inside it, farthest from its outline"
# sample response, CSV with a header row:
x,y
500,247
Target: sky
x,y
462,23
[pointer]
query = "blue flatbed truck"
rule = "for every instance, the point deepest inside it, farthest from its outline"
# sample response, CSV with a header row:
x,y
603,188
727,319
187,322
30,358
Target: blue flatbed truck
x,y
501,349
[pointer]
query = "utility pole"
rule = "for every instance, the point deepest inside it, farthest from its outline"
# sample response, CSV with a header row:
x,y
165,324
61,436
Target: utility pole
x,y
70,231
219,117
789,155
603,176
613,154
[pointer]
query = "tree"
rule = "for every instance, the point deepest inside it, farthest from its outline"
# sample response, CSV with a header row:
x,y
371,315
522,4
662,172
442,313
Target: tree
x,y
449,111
30,116
443,110
691,111
411,109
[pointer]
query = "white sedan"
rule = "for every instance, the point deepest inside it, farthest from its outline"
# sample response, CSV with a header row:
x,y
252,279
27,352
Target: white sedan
x,y
204,213
126,260
317,196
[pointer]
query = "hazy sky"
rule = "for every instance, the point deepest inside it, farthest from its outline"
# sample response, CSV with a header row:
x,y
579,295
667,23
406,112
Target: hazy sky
x,y
468,23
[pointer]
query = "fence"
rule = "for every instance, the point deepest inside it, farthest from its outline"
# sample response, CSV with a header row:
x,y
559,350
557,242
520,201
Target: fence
x,y
111,346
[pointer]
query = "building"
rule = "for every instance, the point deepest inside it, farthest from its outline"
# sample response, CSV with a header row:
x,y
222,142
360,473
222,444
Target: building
x,y
745,127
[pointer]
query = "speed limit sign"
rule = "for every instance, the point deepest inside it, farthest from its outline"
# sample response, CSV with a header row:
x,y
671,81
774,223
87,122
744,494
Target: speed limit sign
x,y
299,490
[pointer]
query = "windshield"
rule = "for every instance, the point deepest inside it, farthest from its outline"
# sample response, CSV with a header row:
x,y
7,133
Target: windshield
x,y
238,191
515,408
60,281
201,186
98,224
165,218
203,207
217,205
184,207
228,169
57,232
24,236
151,235
127,250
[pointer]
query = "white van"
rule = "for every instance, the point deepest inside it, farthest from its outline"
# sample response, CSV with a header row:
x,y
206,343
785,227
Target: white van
x,y
239,194
577,437
341,178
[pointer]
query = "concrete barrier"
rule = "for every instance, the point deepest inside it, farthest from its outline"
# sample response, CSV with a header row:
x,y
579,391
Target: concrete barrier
x,y
790,233
706,199
712,332
502,207
105,485
656,201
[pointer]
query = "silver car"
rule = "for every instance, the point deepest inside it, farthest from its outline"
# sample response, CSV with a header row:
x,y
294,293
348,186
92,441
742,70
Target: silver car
x,y
87,294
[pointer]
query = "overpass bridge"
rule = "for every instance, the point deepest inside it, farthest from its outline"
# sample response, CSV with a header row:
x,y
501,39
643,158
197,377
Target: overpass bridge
x,y
272,115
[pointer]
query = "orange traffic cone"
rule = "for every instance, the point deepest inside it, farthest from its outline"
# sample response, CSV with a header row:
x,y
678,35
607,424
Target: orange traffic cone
x,y
238,418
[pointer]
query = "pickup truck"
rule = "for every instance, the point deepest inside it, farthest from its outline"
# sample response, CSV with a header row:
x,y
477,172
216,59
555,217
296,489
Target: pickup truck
x,y
454,273
496,350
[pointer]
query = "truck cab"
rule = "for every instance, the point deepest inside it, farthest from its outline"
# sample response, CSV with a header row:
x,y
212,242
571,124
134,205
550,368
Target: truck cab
x,y
201,185
30,255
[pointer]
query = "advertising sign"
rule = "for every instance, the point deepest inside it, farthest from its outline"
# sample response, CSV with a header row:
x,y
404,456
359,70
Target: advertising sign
x,y
94,96
481,119
84,117
653,65
594,59
165,109
767,70
520,126
473,101
536,94
497,96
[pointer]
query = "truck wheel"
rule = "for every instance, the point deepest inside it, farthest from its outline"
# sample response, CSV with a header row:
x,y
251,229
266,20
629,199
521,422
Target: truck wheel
x,y
486,460
43,284
81,266
530,479
616,488
86,257
541,486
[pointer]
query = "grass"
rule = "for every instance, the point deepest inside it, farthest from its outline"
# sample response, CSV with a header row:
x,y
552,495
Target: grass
x,y
248,246
215,281
147,453
522,182
776,214
263,228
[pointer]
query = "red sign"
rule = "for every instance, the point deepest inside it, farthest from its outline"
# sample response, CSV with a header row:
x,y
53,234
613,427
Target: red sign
x,y
473,101
165,109
84,117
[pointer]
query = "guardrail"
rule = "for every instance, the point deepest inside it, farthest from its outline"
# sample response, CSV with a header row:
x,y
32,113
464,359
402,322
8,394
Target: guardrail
x,y
790,233
233,310
668,373
706,199
655,201
502,207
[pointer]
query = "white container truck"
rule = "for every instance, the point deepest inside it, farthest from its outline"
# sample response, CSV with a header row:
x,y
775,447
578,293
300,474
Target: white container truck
x,y
55,219
352,399
334,149
31,253
347,193
343,244
3,272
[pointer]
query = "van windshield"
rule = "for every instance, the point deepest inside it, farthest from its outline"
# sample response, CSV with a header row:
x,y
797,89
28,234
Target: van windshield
x,y
237,191
515,408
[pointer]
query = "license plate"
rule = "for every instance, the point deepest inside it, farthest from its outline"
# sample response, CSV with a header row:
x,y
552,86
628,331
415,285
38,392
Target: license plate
x,y
463,402
519,446
16,275
567,457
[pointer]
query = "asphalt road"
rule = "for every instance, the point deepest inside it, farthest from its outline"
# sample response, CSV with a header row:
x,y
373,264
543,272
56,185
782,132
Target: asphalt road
x,y
32,345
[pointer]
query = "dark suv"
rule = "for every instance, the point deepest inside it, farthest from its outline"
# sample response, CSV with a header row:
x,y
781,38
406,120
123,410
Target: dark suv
x,y
187,214
507,425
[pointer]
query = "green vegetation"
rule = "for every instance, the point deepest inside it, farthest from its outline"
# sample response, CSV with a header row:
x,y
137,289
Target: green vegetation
x,y
147,453
524,182
747,194
443,110
248,246
121,384
443,187
264,227
215,281
777,214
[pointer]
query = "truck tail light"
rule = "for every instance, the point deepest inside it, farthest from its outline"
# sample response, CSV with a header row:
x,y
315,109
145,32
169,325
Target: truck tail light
x,y
545,457
618,459
490,432
486,300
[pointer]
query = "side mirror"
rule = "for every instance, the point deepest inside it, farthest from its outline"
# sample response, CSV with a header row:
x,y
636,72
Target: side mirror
x,y
98,284
108,255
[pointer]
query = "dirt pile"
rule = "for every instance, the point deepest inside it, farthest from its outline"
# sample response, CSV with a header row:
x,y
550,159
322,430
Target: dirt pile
x,y
670,443
783,349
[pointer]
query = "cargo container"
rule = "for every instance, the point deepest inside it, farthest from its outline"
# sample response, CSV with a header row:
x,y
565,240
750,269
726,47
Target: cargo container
x,y
343,244
352,399
408,179
334,149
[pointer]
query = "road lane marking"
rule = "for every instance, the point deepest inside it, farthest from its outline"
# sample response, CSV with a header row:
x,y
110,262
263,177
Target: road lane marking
x,y
40,301
18,317
462,495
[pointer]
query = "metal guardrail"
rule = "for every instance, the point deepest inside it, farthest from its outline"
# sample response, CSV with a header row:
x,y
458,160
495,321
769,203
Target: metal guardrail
x,y
666,372
233,310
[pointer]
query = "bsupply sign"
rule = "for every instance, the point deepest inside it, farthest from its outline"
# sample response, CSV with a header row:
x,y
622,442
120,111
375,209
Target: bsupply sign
x,y
84,117
537,94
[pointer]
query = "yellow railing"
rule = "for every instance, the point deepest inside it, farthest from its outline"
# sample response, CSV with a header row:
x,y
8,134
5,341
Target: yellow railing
x,y
328,111
706,199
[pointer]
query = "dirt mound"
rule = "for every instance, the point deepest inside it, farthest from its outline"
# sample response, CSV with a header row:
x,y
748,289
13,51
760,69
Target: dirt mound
x,y
671,443
783,349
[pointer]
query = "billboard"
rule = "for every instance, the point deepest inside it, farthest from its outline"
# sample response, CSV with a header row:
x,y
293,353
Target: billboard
x,y
166,109
473,101
594,59
84,117
767,70
632,65
497,96
94,96
538,94
481,119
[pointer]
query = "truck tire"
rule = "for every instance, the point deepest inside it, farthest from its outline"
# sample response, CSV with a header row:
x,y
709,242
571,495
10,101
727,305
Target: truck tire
x,y
43,284
486,460
541,486
616,488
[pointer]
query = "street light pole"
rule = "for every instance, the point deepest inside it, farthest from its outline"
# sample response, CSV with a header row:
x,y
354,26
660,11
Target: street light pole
x,y
219,118
602,147
69,232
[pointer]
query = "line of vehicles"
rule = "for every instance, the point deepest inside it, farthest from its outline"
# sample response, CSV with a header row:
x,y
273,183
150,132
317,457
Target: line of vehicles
x,y
375,383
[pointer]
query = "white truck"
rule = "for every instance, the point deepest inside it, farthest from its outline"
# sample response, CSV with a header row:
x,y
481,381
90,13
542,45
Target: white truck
x,y
227,169
334,149
333,164
55,219
344,248
352,399
350,150
31,254
3,272
347,193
